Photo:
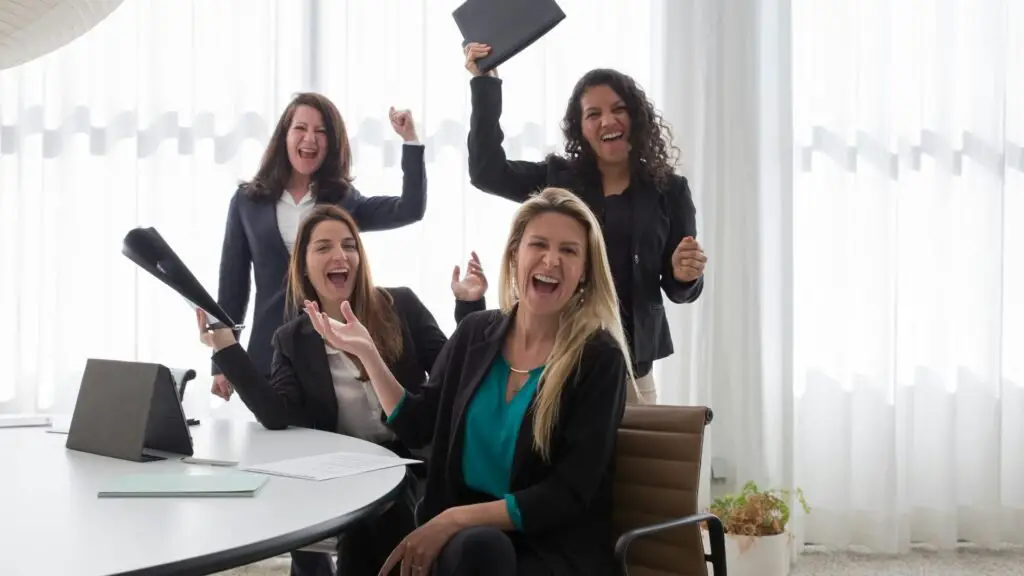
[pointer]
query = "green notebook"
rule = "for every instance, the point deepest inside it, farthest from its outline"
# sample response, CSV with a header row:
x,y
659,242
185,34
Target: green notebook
x,y
172,485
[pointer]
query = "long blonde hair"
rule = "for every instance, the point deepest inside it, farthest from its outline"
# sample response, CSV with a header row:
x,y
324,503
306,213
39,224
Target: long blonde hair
x,y
590,310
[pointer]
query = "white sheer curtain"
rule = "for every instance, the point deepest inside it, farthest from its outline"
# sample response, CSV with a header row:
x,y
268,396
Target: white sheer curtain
x,y
152,117
860,189
723,95
148,119
909,270
726,92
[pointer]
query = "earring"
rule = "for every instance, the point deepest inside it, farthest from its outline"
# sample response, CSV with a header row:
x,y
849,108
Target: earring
x,y
515,283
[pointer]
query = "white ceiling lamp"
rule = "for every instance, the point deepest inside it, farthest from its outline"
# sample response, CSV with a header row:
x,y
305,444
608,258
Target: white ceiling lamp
x,y
33,28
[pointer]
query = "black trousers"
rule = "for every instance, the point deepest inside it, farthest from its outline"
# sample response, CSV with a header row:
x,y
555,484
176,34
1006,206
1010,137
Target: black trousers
x,y
485,551
312,564
363,548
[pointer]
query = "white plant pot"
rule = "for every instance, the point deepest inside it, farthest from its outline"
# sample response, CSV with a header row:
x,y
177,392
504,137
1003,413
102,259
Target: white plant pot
x,y
757,555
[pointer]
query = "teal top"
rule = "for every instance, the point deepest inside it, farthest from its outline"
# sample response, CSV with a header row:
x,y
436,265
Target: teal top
x,y
491,430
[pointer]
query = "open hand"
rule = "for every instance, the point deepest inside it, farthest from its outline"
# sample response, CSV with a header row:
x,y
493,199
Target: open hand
x,y
473,285
402,123
348,336
473,52
419,550
688,260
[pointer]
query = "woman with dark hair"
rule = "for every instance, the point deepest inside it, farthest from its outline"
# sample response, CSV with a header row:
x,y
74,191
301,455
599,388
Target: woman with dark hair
x,y
307,162
617,161
312,385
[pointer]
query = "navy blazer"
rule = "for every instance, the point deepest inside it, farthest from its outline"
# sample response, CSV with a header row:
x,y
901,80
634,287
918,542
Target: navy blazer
x,y
253,245
662,216
565,503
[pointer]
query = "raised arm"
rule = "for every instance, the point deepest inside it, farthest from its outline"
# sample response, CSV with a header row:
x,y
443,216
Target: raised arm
x,y
389,212
489,169
464,308
682,224
469,289
234,285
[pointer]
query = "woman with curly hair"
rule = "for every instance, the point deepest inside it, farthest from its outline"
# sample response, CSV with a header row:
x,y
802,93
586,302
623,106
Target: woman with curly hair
x,y
617,160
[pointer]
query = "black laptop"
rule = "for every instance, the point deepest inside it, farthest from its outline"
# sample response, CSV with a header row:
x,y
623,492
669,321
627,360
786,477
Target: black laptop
x,y
148,249
507,26
129,410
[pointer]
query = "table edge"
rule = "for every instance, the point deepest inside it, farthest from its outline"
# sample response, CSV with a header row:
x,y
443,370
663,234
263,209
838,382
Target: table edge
x,y
240,556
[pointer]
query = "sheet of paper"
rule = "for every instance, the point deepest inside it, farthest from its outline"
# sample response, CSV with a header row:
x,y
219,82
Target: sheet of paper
x,y
24,420
328,466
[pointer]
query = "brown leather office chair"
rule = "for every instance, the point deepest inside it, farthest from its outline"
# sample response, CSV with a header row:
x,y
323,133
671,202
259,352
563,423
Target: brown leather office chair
x,y
655,512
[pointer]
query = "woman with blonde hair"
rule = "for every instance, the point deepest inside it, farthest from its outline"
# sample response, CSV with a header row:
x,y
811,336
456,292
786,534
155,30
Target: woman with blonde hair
x,y
522,408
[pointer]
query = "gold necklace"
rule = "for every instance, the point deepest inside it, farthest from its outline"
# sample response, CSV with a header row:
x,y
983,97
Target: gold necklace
x,y
520,385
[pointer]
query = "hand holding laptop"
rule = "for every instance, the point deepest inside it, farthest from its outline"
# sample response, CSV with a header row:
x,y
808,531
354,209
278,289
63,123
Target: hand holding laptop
x,y
214,337
474,51
217,337
503,28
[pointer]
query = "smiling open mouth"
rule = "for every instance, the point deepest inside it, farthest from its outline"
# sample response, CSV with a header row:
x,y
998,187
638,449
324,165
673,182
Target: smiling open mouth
x,y
337,278
307,154
611,136
544,284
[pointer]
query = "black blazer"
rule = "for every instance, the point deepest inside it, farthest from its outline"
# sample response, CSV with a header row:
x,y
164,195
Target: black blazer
x,y
300,391
566,505
662,216
252,242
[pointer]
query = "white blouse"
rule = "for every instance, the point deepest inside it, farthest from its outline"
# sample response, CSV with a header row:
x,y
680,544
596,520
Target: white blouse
x,y
290,214
359,411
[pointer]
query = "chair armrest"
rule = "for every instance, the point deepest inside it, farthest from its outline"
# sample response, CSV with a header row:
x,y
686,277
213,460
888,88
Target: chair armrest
x,y
715,531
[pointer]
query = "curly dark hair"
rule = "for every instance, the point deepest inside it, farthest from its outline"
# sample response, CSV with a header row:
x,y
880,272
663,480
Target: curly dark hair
x,y
652,152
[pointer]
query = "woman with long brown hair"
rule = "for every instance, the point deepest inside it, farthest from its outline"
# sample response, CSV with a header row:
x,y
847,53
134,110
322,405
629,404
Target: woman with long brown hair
x,y
307,163
316,386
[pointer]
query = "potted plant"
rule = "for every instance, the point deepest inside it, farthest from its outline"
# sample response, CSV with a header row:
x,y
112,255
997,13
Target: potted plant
x,y
757,541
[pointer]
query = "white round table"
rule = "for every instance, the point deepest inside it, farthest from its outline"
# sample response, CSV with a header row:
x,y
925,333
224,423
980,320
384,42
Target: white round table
x,y
52,522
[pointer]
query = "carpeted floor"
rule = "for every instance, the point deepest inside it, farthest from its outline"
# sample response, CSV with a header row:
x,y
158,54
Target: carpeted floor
x,y
967,560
